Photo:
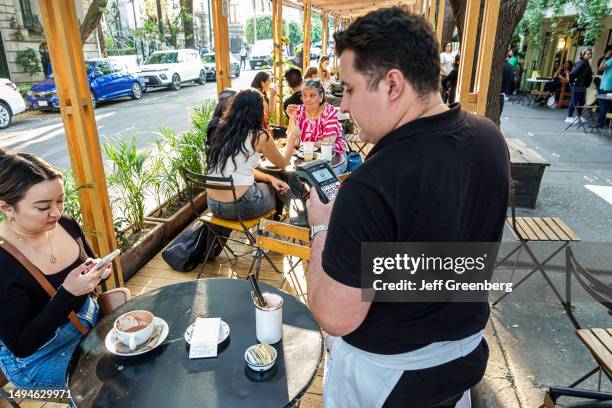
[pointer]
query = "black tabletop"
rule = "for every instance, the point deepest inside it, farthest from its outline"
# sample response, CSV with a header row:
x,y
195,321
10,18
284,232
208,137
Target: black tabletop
x,y
166,377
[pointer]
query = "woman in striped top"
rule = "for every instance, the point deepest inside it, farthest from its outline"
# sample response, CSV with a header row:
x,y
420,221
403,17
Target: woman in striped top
x,y
316,120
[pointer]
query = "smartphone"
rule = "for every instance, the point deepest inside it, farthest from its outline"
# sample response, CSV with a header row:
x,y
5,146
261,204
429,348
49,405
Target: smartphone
x,y
102,263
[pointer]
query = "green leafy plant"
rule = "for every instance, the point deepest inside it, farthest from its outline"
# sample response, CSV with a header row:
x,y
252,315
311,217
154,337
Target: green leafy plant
x,y
132,178
72,207
264,28
591,14
29,61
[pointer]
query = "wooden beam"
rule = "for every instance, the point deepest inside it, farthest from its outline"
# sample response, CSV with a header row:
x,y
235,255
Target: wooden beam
x,y
466,63
440,22
335,4
306,43
277,34
485,55
221,32
419,7
341,8
66,52
325,32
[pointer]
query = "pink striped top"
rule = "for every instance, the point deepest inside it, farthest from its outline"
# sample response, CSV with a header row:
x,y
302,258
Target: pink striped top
x,y
327,125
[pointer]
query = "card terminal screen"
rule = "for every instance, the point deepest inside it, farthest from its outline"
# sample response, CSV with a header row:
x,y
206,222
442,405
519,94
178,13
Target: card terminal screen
x,y
322,175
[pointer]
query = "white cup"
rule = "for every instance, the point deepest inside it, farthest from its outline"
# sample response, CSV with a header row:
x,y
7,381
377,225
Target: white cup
x,y
269,319
134,328
308,150
327,151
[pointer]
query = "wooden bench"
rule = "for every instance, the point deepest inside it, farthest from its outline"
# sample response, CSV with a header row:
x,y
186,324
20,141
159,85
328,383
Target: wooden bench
x,y
527,168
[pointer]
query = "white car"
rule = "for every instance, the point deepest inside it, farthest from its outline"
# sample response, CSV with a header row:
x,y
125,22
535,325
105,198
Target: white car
x,y
172,68
11,102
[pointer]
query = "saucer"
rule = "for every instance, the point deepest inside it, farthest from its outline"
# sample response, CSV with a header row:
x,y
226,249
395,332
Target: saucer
x,y
224,332
111,338
315,155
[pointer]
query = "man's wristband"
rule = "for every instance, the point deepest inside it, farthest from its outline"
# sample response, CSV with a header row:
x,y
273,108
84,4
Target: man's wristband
x,y
315,229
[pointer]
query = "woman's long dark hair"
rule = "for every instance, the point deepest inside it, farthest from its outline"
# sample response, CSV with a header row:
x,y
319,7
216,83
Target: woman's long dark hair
x,y
244,116
260,78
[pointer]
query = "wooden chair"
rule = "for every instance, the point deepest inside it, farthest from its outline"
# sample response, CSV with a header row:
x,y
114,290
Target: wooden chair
x,y
196,181
529,230
265,242
597,340
564,97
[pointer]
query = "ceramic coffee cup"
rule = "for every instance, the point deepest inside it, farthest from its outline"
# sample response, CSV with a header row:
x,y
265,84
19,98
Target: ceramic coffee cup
x,y
134,328
269,319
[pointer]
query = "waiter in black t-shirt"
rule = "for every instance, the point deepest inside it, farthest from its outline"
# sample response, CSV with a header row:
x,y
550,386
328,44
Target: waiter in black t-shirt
x,y
435,174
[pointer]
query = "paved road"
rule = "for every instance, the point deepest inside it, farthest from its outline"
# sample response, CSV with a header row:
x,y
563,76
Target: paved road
x,y
42,133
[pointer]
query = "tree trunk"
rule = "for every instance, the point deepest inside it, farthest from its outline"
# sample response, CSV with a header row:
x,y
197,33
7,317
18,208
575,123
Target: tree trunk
x,y
160,20
449,25
92,18
458,8
100,35
510,13
187,13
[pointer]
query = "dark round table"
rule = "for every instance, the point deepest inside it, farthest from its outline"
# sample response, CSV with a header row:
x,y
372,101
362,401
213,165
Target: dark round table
x,y
166,377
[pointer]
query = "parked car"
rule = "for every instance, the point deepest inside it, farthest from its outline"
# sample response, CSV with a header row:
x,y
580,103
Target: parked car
x,y
11,102
261,54
172,68
107,80
211,68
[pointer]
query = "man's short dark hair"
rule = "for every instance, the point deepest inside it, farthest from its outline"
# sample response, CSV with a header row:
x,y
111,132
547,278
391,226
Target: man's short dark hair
x,y
293,76
391,38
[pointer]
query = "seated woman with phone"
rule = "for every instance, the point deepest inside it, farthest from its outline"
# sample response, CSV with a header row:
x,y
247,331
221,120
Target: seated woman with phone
x,y
316,120
41,252
239,143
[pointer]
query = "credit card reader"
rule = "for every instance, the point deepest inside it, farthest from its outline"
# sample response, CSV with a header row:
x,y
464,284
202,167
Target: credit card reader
x,y
319,174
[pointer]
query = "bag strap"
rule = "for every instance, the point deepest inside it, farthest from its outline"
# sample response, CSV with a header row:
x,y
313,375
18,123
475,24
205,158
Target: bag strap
x,y
40,278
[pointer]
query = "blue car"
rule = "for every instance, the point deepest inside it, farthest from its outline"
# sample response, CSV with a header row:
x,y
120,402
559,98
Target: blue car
x,y
107,80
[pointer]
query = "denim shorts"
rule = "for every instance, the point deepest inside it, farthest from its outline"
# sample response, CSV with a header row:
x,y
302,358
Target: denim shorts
x,y
258,200
47,367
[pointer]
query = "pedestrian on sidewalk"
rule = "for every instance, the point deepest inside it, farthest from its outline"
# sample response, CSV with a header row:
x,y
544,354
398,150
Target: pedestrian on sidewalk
x,y
580,79
436,173
243,57
605,85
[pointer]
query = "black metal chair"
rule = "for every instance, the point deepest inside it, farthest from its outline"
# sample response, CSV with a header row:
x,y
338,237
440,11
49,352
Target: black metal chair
x,y
215,225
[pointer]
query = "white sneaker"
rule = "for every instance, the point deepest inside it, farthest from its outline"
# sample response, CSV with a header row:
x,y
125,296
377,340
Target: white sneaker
x,y
569,119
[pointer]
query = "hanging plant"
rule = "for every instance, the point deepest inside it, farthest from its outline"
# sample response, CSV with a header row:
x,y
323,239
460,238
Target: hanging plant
x,y
532,21
590,17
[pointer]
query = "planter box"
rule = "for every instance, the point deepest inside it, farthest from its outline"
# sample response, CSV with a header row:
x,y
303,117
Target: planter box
x,y
527,169
174,224
145,248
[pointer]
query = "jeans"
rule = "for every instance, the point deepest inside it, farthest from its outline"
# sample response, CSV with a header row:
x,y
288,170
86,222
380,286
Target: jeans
x,y
47,367
603,108
259,199
578,99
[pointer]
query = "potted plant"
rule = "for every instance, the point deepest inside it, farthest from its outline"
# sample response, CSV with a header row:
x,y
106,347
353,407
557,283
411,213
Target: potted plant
x,y
184,150
131,177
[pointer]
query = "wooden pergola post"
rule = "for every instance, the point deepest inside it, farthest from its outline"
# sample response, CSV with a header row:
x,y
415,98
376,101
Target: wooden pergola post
x,y
324,32
440,22
277,34
419,7
306,43
476,101
222,64
66,52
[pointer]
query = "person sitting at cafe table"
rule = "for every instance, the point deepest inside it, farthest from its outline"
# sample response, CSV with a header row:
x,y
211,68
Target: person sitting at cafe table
x,y
293,76
311,73
316,120
605,86
225,98
37,338
263,84
240,142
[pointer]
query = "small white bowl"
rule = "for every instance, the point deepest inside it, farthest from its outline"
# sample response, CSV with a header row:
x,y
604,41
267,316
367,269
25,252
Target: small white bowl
x,y
258,367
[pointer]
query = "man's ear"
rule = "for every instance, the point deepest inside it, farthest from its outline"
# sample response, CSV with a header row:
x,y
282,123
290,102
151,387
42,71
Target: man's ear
x,y
395,83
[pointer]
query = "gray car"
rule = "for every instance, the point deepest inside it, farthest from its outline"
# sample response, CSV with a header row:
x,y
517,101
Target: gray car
x,y
211,68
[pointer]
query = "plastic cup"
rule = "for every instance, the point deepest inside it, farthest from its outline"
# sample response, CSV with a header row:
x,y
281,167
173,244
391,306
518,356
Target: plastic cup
x,y
326,151
308,150
269,319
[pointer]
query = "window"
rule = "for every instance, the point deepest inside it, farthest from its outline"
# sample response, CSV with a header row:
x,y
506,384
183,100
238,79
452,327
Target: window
x,y
104,68
163,58
26,11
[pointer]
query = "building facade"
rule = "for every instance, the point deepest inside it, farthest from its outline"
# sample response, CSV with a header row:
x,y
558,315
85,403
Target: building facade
x,y
21,28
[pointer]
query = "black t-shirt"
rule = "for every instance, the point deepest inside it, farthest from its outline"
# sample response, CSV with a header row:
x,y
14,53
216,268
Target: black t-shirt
x,y
30,316
442,178
295,99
